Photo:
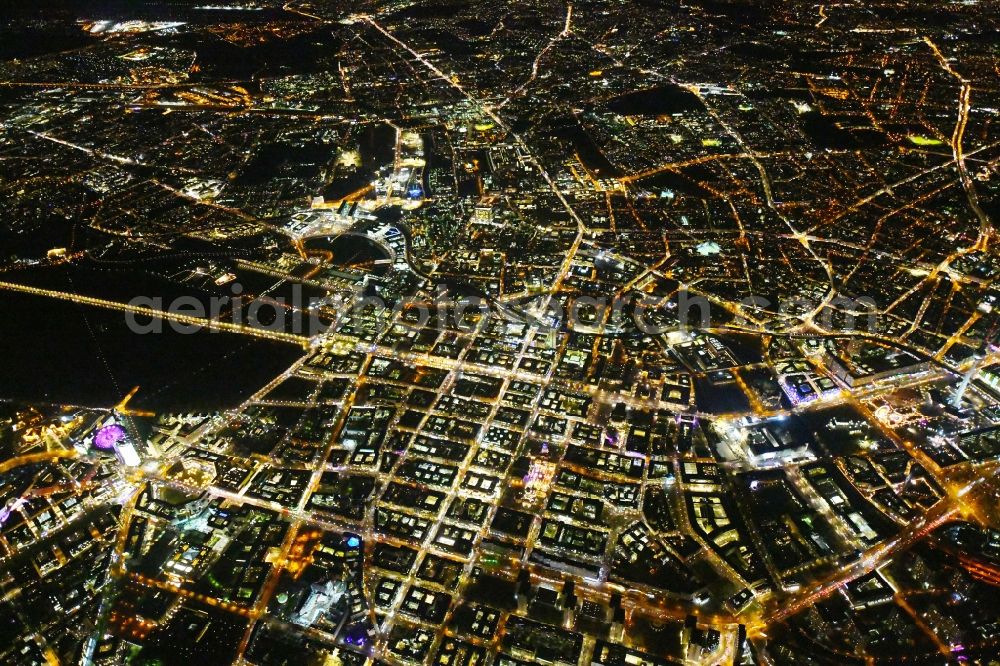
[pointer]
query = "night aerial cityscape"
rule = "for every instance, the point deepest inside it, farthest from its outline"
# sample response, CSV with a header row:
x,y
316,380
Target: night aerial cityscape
x,y
499,332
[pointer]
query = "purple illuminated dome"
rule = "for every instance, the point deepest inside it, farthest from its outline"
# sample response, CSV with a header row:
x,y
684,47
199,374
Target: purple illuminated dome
x,y
108,436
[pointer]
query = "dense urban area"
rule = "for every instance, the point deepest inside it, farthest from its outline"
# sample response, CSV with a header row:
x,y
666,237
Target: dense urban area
x,y
508,332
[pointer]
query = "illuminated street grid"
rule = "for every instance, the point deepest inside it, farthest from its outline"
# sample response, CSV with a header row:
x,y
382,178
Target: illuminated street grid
x,y
803,473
